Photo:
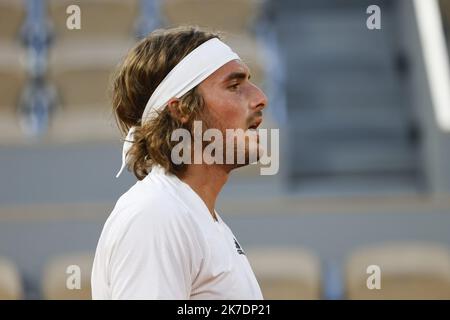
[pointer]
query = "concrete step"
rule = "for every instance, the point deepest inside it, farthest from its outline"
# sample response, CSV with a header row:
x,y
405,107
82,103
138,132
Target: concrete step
x,y
384,121
315,156
343,90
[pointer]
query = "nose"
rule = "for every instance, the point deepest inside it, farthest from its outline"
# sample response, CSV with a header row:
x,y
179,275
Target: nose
x,y
259,99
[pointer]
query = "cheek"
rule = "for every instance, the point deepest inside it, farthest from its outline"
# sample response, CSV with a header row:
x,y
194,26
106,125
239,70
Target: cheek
x,y
227,110
232,117
232,112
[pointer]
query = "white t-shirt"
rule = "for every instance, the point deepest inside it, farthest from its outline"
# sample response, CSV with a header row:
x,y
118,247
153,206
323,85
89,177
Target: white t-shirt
x,y
161,242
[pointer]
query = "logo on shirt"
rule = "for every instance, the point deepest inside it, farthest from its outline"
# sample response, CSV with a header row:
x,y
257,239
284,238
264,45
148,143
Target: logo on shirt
x,y
238,247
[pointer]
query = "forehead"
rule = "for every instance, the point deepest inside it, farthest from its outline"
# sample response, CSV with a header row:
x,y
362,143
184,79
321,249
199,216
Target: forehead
x,y
221,74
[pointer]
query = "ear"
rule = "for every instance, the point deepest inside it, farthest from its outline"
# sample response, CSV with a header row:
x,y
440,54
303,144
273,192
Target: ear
x,y
175,110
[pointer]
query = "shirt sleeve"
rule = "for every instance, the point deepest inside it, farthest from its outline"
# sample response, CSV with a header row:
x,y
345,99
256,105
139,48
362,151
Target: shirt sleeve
x,y
157,257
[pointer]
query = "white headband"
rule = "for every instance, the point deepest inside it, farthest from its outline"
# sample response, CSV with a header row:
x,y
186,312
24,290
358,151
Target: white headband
x,y
199,64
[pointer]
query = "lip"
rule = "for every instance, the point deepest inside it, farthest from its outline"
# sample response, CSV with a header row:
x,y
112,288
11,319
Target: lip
x,y
255,123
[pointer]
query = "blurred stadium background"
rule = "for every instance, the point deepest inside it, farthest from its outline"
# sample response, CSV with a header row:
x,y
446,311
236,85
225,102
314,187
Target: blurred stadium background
x,y
364,118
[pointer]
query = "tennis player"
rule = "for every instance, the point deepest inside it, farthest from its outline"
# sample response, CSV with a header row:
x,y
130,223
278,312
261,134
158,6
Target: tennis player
x,y
164,239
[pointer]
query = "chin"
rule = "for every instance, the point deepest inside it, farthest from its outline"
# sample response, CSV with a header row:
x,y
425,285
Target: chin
x,y
254,154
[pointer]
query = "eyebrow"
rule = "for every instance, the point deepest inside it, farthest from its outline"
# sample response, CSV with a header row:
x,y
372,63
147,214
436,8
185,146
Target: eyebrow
x,y
236,75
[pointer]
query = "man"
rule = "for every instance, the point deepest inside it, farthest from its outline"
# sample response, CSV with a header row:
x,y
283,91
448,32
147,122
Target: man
x,y
164,239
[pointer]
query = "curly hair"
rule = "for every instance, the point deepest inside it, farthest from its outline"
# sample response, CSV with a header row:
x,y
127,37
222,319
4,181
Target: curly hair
x,y
142,70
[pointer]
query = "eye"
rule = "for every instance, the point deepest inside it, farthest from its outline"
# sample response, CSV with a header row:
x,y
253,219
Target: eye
x,y
234,87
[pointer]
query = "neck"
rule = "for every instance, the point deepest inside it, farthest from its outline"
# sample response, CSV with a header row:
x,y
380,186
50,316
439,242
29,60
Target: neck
x,y
207,181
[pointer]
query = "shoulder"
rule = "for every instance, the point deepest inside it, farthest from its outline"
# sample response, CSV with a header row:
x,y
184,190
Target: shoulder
x,y
152,198
149,210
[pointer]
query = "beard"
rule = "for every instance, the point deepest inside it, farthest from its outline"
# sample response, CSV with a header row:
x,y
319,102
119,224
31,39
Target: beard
x,y
247,149
238,147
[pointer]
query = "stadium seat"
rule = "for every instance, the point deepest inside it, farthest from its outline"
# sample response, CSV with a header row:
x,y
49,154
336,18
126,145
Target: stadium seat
x,y
232,15
99,18
10,282
286,273
81,74
12,14
408,271
81,63
12,58
59,273
12,79
12,75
